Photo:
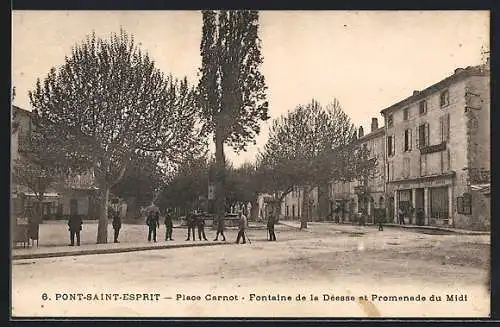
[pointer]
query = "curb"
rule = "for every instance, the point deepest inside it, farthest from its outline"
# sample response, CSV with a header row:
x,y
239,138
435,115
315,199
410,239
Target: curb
x,y
109,251
422,228
441,229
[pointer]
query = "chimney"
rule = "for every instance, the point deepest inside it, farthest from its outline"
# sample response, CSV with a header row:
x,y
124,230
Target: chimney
x,y
374,124
360,133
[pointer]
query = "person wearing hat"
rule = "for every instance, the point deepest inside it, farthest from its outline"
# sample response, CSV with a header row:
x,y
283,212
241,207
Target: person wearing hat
x,y
243,226
220,228
168,225
191,224
75,226
153,222
200,223
117,224
270,226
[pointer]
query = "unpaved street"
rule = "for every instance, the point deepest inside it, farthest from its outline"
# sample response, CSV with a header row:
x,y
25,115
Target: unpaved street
x,y
335,260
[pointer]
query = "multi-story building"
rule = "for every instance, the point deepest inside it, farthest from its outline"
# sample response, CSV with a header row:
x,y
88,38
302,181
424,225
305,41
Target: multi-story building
x,y
437,150
366,193
22,197
77,194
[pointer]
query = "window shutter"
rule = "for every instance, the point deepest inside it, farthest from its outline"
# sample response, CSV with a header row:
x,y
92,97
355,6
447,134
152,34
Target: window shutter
x,y
441,125
420,165
447,125
448,160
403,142
417,136
424,165
410,139
427,138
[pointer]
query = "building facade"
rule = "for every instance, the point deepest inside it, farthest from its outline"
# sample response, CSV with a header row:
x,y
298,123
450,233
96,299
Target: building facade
x,y
367,193
22,198
77,195
437,147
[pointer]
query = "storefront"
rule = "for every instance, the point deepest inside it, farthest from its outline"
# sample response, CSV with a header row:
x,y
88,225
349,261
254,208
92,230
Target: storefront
x,y
431,196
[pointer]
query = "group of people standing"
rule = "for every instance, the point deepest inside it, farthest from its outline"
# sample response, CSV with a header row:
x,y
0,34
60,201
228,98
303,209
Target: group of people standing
x,y
153,222
194,220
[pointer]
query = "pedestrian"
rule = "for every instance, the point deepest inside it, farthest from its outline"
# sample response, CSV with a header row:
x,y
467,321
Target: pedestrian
x,y
168,226
117,224
200,223
153,222
191,223
270,226
75,226
337,210
380,223
401,216
243,226
220,229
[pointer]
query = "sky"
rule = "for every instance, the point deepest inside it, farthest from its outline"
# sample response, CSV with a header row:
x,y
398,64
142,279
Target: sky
x,y
368,60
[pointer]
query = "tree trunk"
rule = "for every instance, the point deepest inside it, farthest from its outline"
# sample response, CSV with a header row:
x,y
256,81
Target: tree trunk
x,y
305,205
38,210
220,163
102,227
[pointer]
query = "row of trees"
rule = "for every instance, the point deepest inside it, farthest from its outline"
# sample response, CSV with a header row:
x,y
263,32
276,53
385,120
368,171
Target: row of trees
x,y
308,147
107,109
190,183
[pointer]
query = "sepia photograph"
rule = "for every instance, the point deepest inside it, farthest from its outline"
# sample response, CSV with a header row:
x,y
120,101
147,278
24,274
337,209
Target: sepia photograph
x,y
250,163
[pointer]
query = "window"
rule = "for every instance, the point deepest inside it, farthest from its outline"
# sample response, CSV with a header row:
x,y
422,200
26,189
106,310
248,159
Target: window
x,y
445,127
423,165
444,98
423,135
390,120
445,160
390,145
406,167
464,204
406,114
422,107
407,143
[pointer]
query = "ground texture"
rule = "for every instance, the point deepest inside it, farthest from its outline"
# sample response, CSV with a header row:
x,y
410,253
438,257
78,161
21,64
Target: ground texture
x,y
324,261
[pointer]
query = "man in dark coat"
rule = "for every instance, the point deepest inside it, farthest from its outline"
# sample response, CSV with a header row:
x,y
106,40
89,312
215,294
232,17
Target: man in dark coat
x,y
153,222
117,224
337,212
200,222
220,229
243,227
168,226
75,226
270,226
191,224
401,216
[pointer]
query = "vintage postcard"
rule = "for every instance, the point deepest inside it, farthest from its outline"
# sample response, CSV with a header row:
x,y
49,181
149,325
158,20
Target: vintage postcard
x,y
250,164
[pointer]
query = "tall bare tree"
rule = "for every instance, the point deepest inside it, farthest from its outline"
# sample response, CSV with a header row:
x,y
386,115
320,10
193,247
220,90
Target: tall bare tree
x,y
108,102
231,89
307,147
